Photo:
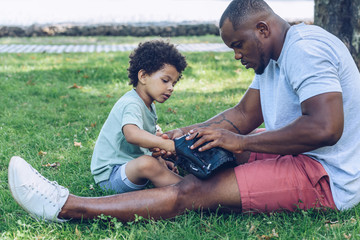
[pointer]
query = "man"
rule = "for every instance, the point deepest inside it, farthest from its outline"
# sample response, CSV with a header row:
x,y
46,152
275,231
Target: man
x,y
305,91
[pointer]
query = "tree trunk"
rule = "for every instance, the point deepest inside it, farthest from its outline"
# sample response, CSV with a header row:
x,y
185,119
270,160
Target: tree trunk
x,y
341,18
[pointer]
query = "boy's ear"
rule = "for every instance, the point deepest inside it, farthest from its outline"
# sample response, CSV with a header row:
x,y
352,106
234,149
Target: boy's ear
x,y
142,76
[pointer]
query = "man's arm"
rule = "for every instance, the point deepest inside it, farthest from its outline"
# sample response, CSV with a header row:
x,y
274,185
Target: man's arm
x,y
241,119
321,124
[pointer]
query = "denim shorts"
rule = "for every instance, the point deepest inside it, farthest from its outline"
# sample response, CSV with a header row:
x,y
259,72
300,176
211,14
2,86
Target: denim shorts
x,y
118,181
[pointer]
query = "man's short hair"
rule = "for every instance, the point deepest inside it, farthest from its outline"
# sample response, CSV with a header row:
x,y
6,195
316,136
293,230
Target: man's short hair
x,y
239,11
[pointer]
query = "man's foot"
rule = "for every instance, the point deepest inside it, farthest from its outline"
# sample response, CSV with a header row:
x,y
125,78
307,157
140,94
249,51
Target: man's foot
x,y
33,192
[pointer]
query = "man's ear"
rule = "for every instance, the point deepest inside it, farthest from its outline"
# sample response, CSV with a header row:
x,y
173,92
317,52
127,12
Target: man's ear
x,y
142,76
263,29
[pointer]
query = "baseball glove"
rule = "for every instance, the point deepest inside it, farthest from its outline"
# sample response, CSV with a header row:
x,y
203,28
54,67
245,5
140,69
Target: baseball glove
x,y
201,164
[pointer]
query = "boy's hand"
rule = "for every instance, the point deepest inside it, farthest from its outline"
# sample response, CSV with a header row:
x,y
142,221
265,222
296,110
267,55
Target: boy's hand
x,y
170,165
157,152
169,146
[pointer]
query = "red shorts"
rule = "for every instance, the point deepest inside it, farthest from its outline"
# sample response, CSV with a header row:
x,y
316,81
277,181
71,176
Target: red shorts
x,y
271,183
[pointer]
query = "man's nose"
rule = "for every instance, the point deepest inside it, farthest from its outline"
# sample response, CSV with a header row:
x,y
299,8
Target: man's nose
x,y
238,55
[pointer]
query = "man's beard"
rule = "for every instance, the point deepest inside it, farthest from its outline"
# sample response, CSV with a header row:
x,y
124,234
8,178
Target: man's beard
x,y
261,67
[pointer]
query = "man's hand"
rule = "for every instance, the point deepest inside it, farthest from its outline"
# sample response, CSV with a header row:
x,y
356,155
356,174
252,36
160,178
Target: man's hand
x,y
216,138
175,133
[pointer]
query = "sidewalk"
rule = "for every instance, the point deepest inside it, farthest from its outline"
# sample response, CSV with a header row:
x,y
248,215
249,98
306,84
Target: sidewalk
x,y
20,48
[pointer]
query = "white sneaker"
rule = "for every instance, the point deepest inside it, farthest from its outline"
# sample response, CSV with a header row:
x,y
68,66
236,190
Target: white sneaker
x,y
33,192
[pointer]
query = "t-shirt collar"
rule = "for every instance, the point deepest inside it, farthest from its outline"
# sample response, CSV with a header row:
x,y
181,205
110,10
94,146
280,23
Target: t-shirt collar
x,y
285,45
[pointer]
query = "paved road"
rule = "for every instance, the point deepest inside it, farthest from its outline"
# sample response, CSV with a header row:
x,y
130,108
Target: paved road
x,y
20,48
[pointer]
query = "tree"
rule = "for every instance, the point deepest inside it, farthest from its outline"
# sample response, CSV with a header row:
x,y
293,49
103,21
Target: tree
x,y
341,18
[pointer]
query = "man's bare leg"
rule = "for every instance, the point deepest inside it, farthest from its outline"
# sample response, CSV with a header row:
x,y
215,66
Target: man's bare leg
x,y
160,203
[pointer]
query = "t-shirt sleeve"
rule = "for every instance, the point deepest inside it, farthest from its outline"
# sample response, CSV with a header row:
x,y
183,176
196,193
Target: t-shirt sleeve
x,y
312,69
132,114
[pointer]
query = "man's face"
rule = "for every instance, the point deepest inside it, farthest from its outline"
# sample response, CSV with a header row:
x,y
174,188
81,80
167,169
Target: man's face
x,y
247,47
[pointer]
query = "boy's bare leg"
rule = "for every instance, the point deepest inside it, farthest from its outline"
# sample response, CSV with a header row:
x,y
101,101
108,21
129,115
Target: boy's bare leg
x,y
145,168
166,202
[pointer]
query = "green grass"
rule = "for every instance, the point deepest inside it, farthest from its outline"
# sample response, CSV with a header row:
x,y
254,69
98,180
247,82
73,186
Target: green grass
x,y
104,40
39,112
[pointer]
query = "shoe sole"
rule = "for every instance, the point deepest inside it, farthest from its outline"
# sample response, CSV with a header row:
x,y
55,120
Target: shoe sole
x,y
12,166
14,163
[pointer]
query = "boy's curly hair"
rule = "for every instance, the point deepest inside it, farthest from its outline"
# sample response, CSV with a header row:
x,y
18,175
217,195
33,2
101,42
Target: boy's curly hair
x,y
151,56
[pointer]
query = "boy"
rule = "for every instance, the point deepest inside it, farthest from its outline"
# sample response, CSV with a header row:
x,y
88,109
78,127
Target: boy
x,y
121,161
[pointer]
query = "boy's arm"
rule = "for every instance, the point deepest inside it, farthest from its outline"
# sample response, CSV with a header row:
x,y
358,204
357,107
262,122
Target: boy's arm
x,y
142,138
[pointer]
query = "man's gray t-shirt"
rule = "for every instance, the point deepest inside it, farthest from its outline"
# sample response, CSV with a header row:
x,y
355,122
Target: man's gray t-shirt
x,y
111,147
313,62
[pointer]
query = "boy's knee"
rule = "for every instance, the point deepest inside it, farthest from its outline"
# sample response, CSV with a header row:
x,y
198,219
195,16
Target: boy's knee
x,y
147,164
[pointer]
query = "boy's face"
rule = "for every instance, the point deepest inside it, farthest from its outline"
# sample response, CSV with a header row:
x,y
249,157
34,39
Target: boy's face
x,y
159,85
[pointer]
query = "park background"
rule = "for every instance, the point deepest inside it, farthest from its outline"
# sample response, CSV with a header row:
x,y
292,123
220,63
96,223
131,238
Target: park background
x,y
27,12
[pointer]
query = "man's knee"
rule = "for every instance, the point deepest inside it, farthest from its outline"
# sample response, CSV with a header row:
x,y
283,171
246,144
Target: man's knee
x,y
187,192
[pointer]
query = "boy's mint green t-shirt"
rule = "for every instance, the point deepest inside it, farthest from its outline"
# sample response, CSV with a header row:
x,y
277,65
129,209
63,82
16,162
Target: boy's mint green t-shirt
x,y
111,147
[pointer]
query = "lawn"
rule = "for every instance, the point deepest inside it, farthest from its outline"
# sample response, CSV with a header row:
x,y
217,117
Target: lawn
x,y
50,101
111,40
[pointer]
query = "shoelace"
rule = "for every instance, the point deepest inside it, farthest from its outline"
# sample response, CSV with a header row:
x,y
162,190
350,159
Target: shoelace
x,y
51,194
50,190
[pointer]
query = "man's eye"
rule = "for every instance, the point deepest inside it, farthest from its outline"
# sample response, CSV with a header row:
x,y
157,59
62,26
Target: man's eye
x,y
165,81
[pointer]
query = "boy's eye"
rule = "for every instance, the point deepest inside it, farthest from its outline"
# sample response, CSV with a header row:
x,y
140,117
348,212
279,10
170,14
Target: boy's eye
x,y
165,81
